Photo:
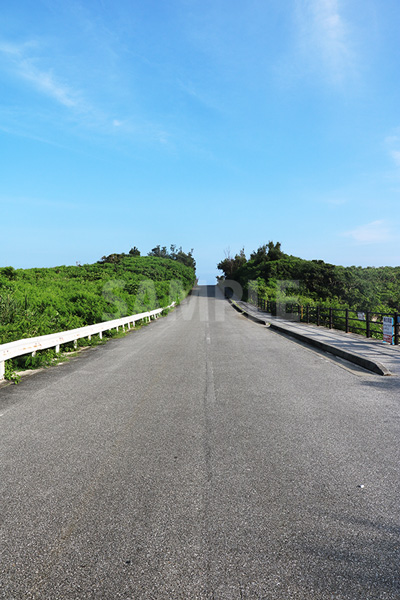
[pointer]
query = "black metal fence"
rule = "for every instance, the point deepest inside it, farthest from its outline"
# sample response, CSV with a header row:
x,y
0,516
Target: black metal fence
x,y
367,323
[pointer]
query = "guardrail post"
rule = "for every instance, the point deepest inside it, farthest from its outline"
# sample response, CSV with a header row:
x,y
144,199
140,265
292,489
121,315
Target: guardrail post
x,y
368,331
100,335
57,348
2,369
75,344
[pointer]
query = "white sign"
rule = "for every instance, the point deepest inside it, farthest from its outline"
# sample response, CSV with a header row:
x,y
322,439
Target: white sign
x,y
388,330
361,316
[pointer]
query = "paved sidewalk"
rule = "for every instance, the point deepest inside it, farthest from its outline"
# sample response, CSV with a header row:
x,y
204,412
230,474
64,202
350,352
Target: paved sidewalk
x,y
371,354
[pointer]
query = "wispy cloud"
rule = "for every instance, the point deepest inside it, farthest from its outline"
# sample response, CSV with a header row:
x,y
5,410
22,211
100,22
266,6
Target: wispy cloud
x,y
376,232
334,199
201,97
392,143
325,40
32,63
47,83
21,58
391,146
395,154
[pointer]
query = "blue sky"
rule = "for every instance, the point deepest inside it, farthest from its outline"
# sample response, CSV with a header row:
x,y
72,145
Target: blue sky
x,y
210,124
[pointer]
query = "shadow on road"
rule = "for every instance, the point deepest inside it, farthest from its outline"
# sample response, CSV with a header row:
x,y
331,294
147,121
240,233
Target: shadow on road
x,y
208,291
363,554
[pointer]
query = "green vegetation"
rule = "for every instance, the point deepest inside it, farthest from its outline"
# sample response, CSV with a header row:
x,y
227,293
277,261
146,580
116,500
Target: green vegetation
x,y
10,374
273,275
40,301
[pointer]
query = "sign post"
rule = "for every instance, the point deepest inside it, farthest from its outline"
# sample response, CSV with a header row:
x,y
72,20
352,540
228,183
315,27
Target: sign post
x,y
388,330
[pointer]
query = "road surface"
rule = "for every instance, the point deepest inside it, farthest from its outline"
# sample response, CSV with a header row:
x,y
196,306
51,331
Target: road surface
x,y
201,457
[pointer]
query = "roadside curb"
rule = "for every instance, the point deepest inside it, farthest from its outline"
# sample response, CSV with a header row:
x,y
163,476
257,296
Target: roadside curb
x,y
246,314
366,363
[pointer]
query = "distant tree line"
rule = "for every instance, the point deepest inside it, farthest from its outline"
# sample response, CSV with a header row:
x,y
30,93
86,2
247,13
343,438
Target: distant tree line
x,y
174,254
314,281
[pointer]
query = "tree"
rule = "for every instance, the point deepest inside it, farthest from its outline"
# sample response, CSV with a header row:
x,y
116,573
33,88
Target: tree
x,y
268,252
175,254
10,273
230,265
112,258
160,252
186,259
134,251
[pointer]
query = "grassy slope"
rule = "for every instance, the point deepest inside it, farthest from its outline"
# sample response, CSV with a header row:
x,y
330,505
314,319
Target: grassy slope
x,y
40,301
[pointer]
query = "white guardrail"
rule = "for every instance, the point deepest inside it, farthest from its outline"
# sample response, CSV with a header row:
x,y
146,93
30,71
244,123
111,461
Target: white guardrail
x,y
55,340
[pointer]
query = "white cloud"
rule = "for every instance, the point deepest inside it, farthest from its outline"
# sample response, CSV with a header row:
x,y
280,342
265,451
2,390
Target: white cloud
x,y
325,38
10,49
47,83
22,60
337,200
392,144
390,140
376,232
396,156
33,63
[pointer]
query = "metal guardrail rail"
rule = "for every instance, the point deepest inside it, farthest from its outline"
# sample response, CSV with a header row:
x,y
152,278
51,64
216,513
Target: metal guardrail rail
x,y
367,323
55,340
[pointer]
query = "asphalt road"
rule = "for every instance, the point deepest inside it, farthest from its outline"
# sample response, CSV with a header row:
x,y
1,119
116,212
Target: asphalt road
x,y
202,457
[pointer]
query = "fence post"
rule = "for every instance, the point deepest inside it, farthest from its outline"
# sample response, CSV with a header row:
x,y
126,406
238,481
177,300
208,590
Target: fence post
x,y
396,328
330,318
368,332
308,313
347,320
318,315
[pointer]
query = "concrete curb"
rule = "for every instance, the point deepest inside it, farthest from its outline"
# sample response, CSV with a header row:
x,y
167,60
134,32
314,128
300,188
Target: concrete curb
x,y
246,314
366,363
